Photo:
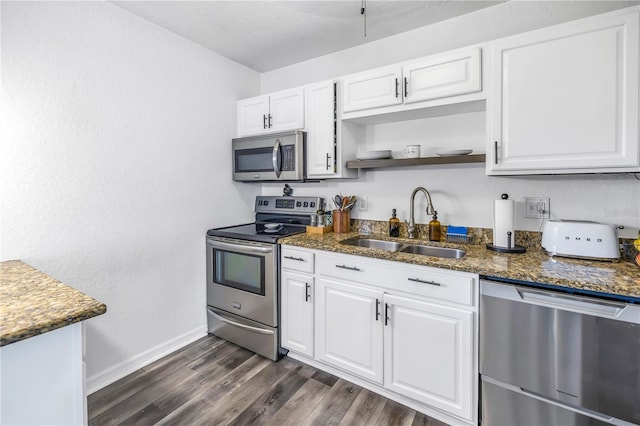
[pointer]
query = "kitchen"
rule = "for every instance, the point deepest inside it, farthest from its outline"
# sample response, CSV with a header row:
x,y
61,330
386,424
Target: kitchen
x,y
114,159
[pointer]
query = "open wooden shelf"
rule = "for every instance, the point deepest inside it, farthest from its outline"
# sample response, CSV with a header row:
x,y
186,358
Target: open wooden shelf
x,y
423,161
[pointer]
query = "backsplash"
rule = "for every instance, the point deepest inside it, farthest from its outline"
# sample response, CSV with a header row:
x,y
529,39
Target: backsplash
x,y
479,236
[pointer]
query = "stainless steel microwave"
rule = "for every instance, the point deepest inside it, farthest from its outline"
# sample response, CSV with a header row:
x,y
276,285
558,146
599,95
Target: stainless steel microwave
x,y
272,157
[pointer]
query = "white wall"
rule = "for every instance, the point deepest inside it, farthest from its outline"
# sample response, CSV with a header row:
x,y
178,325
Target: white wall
x,y
462,194
113,164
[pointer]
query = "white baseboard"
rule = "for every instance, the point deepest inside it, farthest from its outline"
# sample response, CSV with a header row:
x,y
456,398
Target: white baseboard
x,y
118,371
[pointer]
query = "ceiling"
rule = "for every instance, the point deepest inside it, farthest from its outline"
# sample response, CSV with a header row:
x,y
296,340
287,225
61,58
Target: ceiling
x,y
266,35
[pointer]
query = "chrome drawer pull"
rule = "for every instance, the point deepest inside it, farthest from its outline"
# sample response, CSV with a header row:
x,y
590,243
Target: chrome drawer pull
x,y
351,268
418,280
299,259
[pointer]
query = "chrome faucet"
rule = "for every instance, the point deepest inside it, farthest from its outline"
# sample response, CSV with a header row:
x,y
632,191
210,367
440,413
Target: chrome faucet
x,y
411,225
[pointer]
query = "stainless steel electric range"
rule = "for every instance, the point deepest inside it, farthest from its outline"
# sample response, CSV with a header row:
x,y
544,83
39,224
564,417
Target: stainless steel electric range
x,y
243,273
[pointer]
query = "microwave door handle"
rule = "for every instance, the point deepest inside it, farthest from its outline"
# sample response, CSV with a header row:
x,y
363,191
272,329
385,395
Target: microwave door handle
x,y
275,158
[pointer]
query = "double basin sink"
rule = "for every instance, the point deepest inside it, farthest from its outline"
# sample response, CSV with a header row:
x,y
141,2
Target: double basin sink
x,y
393,246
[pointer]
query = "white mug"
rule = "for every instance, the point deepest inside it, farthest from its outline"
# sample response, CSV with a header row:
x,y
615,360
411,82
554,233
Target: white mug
x,y
411,151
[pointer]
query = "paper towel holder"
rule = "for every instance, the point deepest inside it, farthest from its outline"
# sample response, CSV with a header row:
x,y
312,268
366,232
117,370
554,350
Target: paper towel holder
x,y
508,249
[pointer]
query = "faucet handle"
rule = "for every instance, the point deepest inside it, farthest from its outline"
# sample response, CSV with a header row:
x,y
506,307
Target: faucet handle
x,y
410,229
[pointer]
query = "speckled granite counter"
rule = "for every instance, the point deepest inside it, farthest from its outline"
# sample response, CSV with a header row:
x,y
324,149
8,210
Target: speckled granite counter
x,y
32,303
616,280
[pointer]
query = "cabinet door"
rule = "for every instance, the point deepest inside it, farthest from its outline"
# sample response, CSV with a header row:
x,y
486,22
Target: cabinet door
x,y
297,312
253,115
321,130
444,75
429,354
372,89
565,99
349,328
287,110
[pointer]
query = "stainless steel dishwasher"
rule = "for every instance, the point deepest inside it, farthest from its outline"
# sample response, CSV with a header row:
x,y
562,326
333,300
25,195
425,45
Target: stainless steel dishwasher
x,y
551,358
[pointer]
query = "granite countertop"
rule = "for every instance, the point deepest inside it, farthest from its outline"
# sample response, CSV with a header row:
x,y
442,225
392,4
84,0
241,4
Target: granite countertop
x,y
615,280
32,303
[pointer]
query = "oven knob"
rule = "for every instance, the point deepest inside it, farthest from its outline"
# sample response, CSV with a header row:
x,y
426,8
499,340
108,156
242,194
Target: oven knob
x,y
305,204
259,202
298,204
265,203
312,205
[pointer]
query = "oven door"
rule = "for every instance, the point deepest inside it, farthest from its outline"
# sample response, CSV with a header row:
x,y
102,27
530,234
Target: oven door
x,y
242,278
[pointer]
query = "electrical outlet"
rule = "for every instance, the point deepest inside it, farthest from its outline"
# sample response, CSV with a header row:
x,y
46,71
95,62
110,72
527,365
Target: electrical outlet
x,y
362,203
536,207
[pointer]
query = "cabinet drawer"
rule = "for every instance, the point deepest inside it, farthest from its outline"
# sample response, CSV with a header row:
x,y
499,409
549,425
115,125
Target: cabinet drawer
x,y
427,282
353,268
297,260
421,281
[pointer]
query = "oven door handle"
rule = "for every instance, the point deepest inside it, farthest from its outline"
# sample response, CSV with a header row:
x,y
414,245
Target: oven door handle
x,y
275,158
237,324
239,246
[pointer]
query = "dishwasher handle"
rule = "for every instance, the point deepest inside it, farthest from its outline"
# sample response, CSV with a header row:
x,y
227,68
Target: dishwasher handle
x,y
566,302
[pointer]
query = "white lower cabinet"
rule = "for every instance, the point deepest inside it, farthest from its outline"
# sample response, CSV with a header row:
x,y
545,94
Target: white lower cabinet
x,y
428,353
349,328
297,312
406,331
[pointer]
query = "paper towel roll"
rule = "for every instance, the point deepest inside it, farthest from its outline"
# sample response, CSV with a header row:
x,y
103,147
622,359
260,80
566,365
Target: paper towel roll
x,y
503,222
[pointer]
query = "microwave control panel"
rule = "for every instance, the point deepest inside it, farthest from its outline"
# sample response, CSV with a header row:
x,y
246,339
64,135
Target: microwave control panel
x,y
288,158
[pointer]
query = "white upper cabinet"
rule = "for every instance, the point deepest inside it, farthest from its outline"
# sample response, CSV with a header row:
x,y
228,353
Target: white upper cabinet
x,y
403,85
564,99
321,129
443,75
253,114
327,151
276,112
372,89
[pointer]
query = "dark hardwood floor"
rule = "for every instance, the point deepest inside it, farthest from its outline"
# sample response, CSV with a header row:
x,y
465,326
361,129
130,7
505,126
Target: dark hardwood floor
x,y
213,382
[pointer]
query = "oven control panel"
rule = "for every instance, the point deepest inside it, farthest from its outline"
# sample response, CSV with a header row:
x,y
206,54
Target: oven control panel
x,y
300,205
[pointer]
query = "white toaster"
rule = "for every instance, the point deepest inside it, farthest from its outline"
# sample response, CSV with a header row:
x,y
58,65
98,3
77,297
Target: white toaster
x,y
581,239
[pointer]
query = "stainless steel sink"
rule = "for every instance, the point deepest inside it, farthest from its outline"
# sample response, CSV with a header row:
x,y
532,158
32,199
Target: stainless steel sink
x,y
449,253
375,244
393,246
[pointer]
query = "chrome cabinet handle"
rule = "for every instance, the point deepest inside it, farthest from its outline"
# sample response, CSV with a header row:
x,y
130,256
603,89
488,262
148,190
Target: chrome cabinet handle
x,y
377,310
406,87
495,152
327,162
397,88
386,314
306,292
351,268
264,121
418,280
299,259
275,158
270,117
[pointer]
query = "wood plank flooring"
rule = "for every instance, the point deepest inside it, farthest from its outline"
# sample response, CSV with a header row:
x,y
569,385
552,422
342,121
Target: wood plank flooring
x,y
214,382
